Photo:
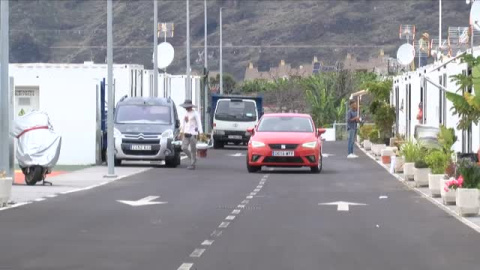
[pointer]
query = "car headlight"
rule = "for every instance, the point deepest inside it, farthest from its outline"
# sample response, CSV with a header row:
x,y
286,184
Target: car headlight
x,y
116,133
310,144
256,144
167,134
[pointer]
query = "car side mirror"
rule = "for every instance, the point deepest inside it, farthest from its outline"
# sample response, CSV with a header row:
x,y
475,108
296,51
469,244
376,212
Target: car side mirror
x,y
320,131
251,130
177,123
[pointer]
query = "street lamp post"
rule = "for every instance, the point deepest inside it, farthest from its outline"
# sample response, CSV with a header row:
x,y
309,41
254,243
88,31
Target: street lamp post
x,y
189,82
111,98
206,67
4,93
439,23
221,52
155,48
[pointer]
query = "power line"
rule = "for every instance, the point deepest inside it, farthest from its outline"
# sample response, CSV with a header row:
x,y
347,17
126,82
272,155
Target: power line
x,y
234,46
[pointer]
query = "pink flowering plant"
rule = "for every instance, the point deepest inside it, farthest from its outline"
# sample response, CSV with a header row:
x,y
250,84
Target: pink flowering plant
x,y
453,183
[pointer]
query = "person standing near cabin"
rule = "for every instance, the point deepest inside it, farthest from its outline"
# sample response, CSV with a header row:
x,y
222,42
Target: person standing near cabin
x,y
420,113
191,128
353,119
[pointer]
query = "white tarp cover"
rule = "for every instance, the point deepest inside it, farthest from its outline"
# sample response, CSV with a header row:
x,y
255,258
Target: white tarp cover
x,y
38,144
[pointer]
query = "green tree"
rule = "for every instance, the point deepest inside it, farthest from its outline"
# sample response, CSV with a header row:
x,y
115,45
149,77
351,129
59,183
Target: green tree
x,y
229,83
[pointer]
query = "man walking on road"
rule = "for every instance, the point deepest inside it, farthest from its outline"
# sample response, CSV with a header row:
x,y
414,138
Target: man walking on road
x,y
191,128
353,119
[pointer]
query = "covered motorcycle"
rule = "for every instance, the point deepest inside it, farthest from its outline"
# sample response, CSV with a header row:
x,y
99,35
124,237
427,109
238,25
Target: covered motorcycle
x,y
38,146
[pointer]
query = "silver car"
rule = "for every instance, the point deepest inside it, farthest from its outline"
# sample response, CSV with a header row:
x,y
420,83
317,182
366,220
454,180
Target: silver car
x,y
147,129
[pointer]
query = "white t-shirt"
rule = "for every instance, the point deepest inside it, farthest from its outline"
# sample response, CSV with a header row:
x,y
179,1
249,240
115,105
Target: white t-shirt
x,y
194,124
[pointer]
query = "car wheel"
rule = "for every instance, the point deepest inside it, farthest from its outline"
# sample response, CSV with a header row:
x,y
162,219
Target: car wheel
x,y
319,167
217,145
252,169
117,162
174,161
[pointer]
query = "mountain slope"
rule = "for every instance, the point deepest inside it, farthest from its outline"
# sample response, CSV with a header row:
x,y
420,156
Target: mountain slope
x,y
75,30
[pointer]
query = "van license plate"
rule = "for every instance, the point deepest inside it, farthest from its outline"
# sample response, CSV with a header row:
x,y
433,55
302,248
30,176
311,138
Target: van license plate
x,y
283,153
140,147
235,137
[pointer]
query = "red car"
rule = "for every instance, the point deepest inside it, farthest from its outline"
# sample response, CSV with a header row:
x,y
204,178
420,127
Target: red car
x,y
285,140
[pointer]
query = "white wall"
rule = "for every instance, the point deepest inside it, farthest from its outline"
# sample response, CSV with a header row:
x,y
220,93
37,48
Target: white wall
x,y
68,95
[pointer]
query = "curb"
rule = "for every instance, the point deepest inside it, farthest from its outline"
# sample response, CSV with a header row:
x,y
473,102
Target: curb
x,y
449,211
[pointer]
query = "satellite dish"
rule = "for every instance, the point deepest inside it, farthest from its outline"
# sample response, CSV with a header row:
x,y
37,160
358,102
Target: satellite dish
x,y
165,54
406,54
475,15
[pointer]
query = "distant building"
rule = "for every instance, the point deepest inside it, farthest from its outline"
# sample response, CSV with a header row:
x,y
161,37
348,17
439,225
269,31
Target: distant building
x,y
379,64
285,70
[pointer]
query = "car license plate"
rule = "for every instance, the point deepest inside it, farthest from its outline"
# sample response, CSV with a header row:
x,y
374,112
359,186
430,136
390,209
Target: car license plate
x,y
140,147
235,137
283,153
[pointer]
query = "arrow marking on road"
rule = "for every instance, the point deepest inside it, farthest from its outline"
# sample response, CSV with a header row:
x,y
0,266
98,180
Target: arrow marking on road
x,y
342,206
145,201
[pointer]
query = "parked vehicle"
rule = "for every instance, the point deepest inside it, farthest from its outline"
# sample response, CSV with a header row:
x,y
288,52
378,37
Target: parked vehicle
x,y
38,146
232,116
147,129
285,140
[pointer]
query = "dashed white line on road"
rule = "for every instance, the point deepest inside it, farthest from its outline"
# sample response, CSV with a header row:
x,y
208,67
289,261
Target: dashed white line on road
x,y
241,206
197,252
224,224
216,233
230,218
245,201
39,199
236,211
260,186
185,266
51,196
207,243
250,197
383,197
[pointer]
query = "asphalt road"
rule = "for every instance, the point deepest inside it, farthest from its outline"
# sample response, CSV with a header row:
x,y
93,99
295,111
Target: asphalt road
x,y
221,217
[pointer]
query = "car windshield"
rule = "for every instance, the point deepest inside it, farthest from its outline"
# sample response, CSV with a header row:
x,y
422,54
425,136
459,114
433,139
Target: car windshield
x,y
236,111
285,124
143,114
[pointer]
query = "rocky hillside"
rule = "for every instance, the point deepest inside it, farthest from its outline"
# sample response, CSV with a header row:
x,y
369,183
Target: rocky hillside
x,y
75,30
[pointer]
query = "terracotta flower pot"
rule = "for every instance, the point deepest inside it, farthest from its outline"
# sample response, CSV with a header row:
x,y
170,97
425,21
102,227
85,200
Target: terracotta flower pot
x,y
386,159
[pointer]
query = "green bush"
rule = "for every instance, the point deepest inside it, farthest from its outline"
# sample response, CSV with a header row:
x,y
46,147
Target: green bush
x,y
437,161
410,150
374,136
364,131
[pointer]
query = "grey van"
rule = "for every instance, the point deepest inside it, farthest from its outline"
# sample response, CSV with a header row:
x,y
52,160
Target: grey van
x,y
147,129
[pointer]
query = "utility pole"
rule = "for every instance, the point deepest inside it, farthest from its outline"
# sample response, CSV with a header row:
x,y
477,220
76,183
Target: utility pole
x,y
221,52
4,93
439,24
206,67
111,98
189,80
155,48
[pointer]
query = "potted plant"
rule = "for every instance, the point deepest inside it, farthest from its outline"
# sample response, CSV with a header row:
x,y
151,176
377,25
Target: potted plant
x,y
364,136
437,161
5,189
448,192
377,142
467,195
421,169
410,152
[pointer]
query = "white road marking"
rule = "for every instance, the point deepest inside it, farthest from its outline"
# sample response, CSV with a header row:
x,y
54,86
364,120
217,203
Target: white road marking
x,y
342,206
224,224
145,201
237,155
245,201
383,197
185,266
257,190
249,197
14,205
207,243
327,155
378,226
260,186
197,252
253,193
216,233
241,206
51,196
236,211
39,199
230,218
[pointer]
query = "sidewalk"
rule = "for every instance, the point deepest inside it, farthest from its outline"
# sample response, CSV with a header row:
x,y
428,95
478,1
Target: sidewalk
x,y
69,182
473,222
